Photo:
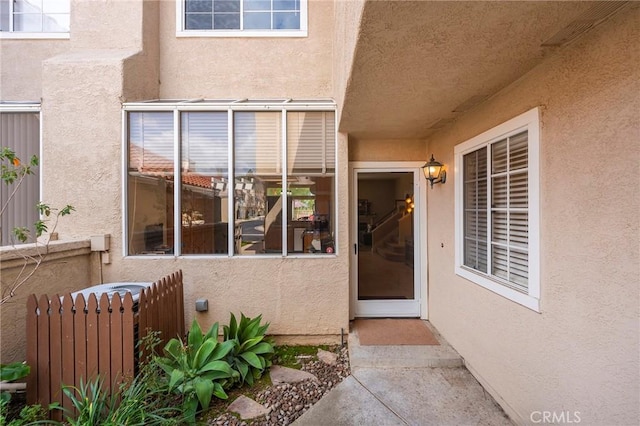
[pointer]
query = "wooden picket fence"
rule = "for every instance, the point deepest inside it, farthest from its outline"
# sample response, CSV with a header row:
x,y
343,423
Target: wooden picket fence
x,y
72,340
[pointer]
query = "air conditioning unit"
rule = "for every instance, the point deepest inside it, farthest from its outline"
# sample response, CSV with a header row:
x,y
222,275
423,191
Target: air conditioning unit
x,y
111,289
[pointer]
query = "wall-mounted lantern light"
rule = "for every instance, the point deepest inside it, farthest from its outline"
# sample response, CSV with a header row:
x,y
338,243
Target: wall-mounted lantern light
x,y
434,171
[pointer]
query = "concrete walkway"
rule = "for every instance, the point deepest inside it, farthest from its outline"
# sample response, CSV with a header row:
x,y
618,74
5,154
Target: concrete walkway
x,y
405,385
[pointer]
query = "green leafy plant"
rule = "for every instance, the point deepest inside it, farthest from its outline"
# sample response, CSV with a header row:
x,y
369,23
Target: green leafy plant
x,y
30,414
13,172
198,370
252,352
10,373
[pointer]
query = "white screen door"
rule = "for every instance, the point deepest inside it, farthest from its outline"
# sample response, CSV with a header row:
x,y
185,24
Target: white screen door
x,y
387,271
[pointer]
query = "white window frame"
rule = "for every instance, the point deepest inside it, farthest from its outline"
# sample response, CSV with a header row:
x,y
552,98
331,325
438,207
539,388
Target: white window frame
x,y
33,107
12,34
529,121
230,106
182,32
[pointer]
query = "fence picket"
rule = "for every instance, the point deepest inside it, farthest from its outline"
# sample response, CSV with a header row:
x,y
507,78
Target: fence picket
x,y
68,350
55,354
44,397
69,341
32,348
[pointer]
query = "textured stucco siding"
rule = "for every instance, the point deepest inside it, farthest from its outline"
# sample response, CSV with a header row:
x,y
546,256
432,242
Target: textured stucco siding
x,y
68,266
581,352
241,67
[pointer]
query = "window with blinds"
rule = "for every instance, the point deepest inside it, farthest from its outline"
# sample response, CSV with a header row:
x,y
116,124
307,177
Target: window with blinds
x,y
20,131
278,196
496,207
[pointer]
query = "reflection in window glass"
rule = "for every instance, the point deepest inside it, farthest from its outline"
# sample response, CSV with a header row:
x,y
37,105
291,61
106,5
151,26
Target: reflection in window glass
x,y
50,16
258,172
150,183
204,177
310,167
256,14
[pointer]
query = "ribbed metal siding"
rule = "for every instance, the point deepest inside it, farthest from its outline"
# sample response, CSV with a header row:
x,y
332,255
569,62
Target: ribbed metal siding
x,y
20,131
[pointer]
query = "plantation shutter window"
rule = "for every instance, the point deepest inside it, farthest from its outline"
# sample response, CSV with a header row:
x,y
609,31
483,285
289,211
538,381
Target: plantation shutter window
x,y
507,215
497,209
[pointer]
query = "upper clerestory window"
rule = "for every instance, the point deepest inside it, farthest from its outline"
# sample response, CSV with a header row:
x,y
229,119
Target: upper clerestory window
x,y
241,18
34,18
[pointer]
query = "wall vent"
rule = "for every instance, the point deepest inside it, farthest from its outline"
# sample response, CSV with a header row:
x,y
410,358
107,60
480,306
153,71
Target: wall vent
x,y
588,19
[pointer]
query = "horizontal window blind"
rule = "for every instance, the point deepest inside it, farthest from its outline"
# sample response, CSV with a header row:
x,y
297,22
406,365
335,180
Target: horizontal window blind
x,y
311,142
257,144
204,146
20,131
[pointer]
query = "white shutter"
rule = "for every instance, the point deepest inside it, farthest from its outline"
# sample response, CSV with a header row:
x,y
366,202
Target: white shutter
x,y
509,217
257,143
204,144
20,131
475,210
311,142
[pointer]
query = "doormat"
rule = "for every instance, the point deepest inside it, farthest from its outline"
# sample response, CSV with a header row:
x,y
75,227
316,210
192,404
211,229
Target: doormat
x,y
373,332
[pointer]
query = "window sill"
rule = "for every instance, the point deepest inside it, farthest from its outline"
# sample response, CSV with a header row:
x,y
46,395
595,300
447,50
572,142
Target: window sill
x,y
34,36
242,33
525,300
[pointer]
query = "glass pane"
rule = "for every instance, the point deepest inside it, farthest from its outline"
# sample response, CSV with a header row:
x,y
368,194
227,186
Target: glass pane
x,y
499,157
257,20
27,23
4,15
499,262
226,6
20,132
205,177
519,229
56,23
286,4
27,6
286,21
518,190
150,185
499,192
309,223
257,5
199,6
226,21
258,182
499,231
198,21
311,142
56,6
518,151
519,269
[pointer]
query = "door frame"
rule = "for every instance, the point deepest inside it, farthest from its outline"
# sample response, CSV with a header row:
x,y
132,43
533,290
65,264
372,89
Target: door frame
x,y
420,232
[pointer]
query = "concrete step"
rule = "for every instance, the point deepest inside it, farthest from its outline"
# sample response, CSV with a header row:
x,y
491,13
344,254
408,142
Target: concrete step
x,y
403,356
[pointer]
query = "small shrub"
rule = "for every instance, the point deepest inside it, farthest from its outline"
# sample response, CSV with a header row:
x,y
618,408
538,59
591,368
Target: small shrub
x,y
252,352
198,370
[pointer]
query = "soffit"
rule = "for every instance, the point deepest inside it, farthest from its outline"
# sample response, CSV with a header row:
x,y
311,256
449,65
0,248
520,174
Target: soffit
x,y
416,62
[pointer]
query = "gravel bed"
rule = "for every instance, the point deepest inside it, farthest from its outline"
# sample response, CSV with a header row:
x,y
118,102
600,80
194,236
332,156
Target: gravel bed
x,y
289,401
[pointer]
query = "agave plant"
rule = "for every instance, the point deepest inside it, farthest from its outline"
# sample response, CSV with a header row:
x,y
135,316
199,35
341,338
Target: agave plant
x,y
198,370
251,353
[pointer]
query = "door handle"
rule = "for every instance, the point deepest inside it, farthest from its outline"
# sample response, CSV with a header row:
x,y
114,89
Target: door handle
x,y
355,249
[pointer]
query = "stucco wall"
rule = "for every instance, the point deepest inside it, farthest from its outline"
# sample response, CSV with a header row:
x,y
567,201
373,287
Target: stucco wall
x,y
580,354
240,67
67,267
21,67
